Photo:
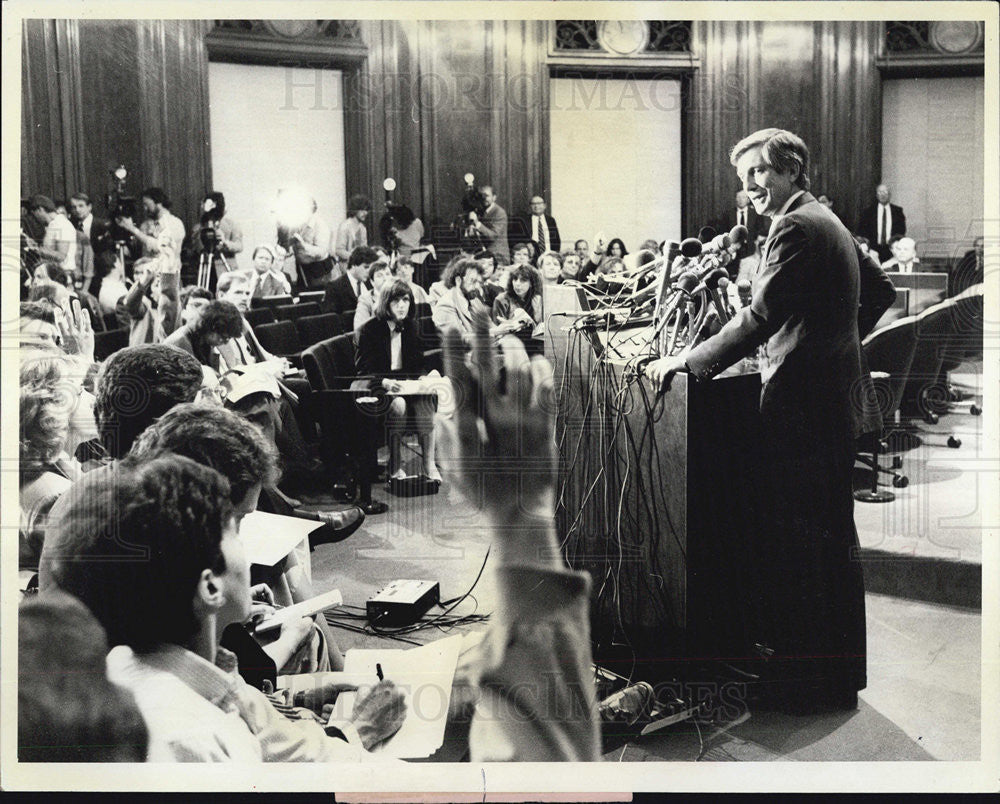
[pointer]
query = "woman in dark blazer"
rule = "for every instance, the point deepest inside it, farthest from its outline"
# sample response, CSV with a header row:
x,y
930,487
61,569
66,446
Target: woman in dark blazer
x,y
385,366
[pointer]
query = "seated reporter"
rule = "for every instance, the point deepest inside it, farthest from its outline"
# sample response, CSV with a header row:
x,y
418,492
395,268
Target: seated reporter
x,y
154,552
518,310
379,273
218,323
389,349
240,452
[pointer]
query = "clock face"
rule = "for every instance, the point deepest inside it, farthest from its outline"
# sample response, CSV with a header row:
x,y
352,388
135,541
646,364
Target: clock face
x,y
623,37
955,36
290,28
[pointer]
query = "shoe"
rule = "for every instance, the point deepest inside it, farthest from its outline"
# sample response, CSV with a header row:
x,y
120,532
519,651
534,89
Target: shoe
x,y
337,526
373,507
629,705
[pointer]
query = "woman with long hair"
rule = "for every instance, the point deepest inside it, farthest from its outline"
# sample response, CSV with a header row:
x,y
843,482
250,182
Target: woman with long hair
x,y
518,310
389,350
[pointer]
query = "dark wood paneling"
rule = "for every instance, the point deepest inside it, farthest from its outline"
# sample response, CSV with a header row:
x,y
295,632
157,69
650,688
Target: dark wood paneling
x,y
98,93
434,100
817,79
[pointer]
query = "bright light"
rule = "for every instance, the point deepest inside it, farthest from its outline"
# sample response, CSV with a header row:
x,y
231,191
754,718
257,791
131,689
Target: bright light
x,y
389,185
293,207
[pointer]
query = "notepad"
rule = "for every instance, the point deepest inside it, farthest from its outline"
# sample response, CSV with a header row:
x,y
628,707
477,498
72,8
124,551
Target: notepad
x,y
268,538
425,675
304,608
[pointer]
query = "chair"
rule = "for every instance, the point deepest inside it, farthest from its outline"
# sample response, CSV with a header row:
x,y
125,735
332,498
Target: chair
x,y
430,338
422,310
347,320
315,328
290,312
259,315
350,433
889,353
270,301
964,343
280,338
311,296
107,343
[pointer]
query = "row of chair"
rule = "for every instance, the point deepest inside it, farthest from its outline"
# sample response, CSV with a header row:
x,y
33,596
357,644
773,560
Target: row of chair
x,y
910,360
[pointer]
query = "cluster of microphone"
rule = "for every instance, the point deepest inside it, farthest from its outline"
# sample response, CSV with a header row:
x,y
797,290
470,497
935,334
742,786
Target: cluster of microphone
x,y
687,287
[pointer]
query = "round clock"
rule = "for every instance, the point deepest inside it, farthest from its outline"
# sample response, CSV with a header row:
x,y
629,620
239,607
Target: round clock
x,y
623,37
956,36
290,28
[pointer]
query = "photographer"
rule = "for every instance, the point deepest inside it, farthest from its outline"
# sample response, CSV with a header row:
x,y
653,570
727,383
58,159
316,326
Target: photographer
x,y
219,235
161,231
308,238
491,225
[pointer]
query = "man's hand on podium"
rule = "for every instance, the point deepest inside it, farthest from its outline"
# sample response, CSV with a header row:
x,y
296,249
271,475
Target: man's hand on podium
x,y
662,370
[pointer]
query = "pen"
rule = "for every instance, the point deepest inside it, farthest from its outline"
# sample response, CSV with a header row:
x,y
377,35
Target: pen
x,y
378,672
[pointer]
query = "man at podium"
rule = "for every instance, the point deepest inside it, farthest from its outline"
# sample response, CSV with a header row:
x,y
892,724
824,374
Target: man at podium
x,y
808,608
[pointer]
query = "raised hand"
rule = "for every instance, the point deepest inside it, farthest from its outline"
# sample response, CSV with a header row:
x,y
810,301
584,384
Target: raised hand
x,y
500,439
77,333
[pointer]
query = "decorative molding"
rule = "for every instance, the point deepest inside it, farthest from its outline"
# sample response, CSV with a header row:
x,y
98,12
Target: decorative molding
x,y
937,48
302,42
617,43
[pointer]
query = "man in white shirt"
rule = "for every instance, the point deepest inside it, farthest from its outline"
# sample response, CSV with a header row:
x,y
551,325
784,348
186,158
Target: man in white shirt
x,y
492,228
904,256
352,232
165,593
881,222
161,230
59,242
539,227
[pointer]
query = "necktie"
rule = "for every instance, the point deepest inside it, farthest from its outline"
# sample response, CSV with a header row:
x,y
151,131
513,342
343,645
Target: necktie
x,y
742,218
543,231
885,225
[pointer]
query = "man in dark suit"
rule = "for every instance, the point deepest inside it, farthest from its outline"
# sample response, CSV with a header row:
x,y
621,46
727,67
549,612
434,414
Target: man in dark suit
x,y
537,227
806,610
343,292
881,222
745,215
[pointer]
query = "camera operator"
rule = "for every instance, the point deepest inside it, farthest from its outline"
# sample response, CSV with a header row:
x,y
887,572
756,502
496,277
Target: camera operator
x,y
352,232
491,225
161,231
401,229
308,241
219,235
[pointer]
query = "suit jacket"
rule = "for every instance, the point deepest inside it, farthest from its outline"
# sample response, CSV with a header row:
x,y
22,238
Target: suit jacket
x,y
494,232
230,352
805,313
271,285
453,310
757,225
340,296
868,227
186,340
519,231
372,355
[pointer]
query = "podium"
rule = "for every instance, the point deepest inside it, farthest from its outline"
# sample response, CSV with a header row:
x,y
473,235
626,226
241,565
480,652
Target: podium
x,y
656,499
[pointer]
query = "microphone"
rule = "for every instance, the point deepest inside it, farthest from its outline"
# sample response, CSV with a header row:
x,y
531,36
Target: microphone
x,y
739,235
713,282
743,291
706,233
691,247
